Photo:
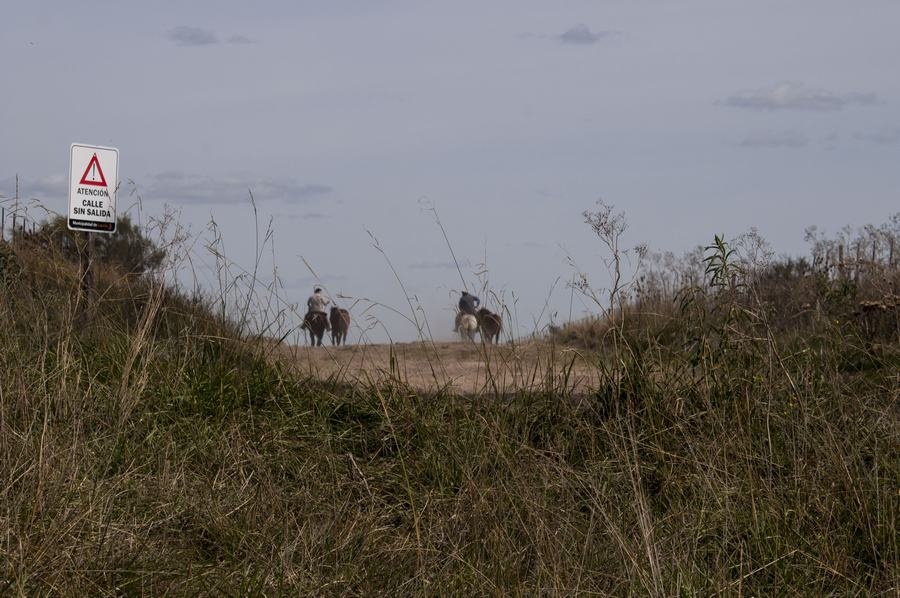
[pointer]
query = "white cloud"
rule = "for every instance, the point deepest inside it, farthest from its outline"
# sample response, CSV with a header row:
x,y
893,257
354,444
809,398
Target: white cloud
x,y
886,136
582,35
191,36
783,139
182,188
790,95
239,39
50,187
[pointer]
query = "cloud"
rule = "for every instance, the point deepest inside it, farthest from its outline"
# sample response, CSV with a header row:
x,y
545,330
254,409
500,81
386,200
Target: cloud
x,y
191,36
186,188
783,139
50,187
196,36
790,95
581,35
886,136
239,39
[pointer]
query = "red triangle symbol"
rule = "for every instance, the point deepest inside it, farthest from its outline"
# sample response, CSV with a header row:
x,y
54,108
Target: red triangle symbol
x,y
93,171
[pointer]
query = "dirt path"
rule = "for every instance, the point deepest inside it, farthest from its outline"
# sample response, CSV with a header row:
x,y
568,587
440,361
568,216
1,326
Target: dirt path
x,y
457,366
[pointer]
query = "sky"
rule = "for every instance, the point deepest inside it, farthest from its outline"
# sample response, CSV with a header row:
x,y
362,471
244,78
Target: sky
x,y
354,122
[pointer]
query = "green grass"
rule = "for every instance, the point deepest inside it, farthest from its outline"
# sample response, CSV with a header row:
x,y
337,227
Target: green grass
x,y
154,452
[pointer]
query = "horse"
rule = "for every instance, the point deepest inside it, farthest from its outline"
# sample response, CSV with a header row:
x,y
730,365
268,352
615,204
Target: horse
x,y
468,326
489,324
340,324
315,322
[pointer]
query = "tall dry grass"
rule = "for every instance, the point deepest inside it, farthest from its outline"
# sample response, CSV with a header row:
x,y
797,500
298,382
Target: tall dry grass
x,y
156,450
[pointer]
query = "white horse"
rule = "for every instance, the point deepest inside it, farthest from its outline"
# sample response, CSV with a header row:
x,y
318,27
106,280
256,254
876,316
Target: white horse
x,y
468,326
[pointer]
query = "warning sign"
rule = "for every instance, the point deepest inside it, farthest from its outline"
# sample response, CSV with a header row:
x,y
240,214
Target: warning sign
x,y
93,173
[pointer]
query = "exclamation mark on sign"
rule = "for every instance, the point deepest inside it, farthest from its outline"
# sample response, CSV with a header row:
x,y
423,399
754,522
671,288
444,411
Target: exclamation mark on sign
x,y
93,174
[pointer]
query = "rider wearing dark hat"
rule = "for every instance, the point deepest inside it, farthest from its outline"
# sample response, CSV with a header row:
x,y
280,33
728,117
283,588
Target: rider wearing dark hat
x,y
468,303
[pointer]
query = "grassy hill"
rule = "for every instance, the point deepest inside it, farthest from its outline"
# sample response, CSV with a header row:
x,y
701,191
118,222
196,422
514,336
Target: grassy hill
x,y
742,438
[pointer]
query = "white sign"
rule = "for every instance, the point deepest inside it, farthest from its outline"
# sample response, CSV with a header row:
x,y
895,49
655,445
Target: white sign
x,y
93,178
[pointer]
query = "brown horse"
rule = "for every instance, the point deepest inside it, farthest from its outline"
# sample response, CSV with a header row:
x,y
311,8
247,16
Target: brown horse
x,y
340,324
490,325
315,322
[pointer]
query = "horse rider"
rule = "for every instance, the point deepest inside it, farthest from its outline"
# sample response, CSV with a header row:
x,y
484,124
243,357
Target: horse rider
x,y
468,303
317,303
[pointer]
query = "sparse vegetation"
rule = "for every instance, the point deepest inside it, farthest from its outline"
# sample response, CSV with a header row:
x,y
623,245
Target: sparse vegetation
x,y
743,439
129,251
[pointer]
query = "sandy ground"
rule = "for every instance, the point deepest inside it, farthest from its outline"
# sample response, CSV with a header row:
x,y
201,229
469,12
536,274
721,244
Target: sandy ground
x,y
457,366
